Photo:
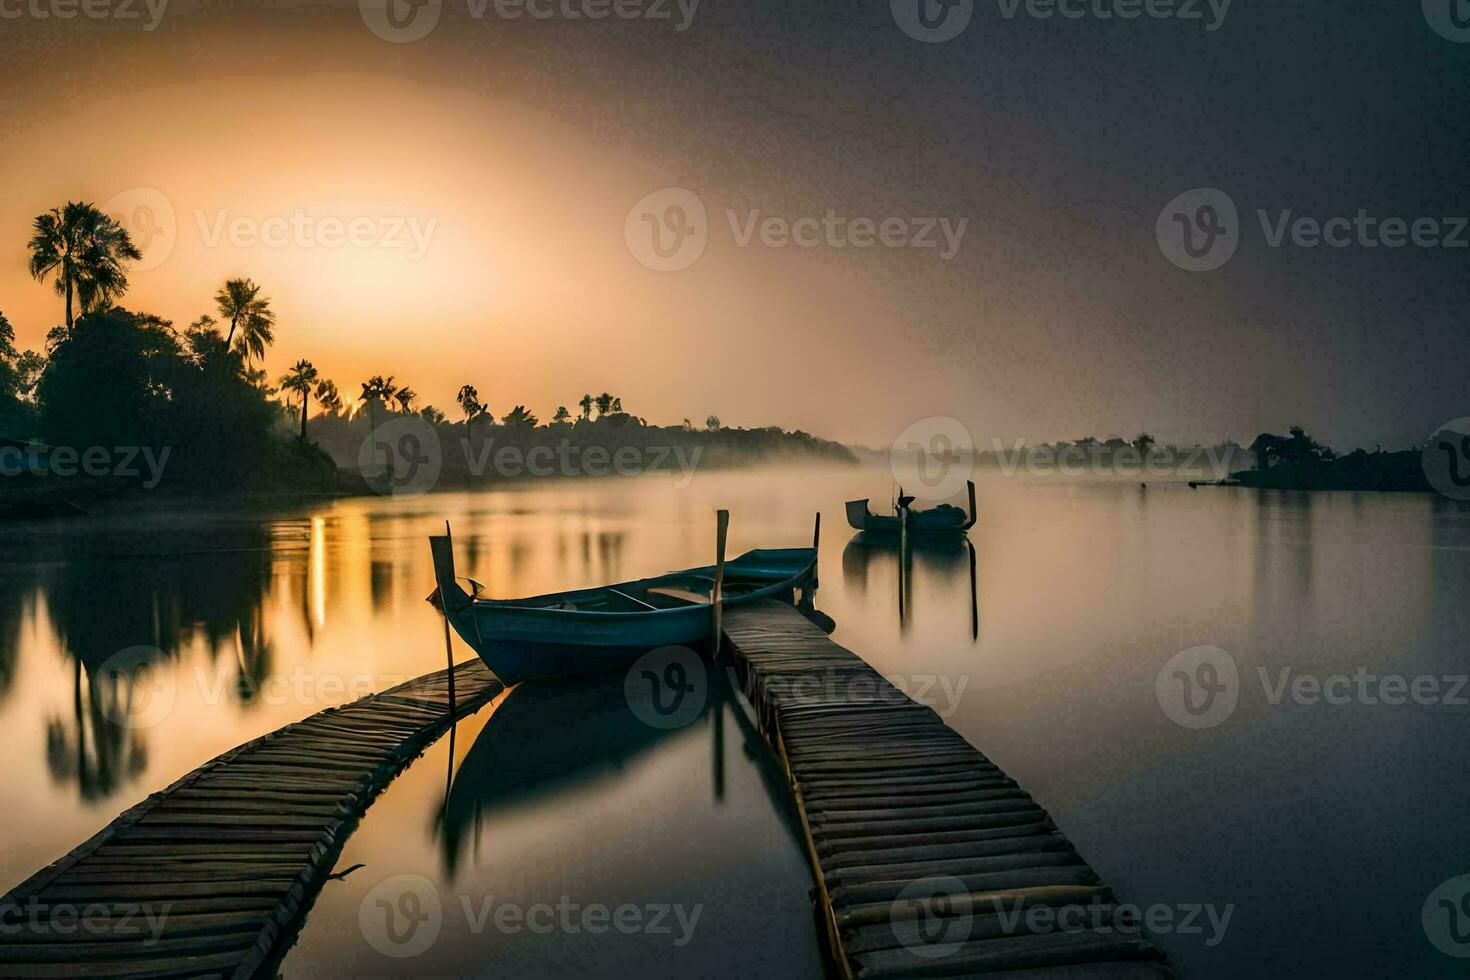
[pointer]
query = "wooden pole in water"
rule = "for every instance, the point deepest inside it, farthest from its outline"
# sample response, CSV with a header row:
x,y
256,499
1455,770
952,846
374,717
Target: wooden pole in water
x,y
448,644
717,594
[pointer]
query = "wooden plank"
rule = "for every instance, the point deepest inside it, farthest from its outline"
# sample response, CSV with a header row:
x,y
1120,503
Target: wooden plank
x,y
235,853
896,807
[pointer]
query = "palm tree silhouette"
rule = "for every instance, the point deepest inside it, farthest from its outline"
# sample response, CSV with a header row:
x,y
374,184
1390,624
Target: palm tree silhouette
x,y
520,417
405,397
469,403
604,404
373,389
327,397
84,250
240,302
586,403
299,380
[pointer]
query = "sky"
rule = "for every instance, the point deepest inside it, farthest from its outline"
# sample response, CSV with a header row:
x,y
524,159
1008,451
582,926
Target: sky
x,y
479,204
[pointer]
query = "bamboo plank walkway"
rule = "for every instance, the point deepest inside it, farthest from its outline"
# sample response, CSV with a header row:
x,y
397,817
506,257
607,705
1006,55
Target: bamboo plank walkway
x,y
922,850
229,859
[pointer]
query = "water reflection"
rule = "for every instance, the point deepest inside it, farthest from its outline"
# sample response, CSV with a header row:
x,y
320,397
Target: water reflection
x,y
122,610
947,559
548,740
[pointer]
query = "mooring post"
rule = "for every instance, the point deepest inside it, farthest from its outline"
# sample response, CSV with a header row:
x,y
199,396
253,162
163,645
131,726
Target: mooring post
x,y
448,643
717,594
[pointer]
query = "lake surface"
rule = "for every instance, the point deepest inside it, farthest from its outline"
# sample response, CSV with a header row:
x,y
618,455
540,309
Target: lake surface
x,y
1318,828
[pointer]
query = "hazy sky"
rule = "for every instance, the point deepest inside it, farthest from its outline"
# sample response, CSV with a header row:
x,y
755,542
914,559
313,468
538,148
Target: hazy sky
x,y
489,173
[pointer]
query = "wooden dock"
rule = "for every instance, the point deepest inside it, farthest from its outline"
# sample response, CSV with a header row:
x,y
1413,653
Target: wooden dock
x,y
928,860
214,875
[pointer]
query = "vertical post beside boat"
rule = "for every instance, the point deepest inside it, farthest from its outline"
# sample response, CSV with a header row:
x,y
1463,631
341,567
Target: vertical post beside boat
x,y
717,592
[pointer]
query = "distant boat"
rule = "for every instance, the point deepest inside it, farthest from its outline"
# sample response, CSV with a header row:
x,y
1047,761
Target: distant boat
x,y
944,519
603,629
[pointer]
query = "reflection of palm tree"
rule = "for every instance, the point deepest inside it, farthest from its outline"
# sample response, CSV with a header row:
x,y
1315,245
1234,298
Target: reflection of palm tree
x,y
299,381
101,753
240,302
84,250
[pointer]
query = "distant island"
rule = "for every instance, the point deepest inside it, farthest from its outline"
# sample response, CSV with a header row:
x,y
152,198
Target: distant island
x,y
123,401
1296,461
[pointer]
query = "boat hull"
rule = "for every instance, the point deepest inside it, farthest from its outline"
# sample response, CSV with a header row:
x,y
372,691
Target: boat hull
x,y
522,641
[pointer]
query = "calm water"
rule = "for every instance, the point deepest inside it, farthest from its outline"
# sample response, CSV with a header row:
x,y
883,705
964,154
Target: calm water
x,y
1319,828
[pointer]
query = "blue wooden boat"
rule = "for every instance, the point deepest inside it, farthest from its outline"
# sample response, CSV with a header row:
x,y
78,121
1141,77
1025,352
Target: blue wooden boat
x,y
603,629
944,519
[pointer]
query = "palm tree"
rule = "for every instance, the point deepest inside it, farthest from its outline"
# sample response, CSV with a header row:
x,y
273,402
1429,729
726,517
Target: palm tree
x,y
562,415
617,406
604,404
84,250
469,403
432,415
240,302
586,403
376,388
299,380
520,417
712,423
405,397
327,398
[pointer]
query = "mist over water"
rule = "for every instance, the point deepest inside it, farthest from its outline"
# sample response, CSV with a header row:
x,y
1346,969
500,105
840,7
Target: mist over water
x,y
1323,825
